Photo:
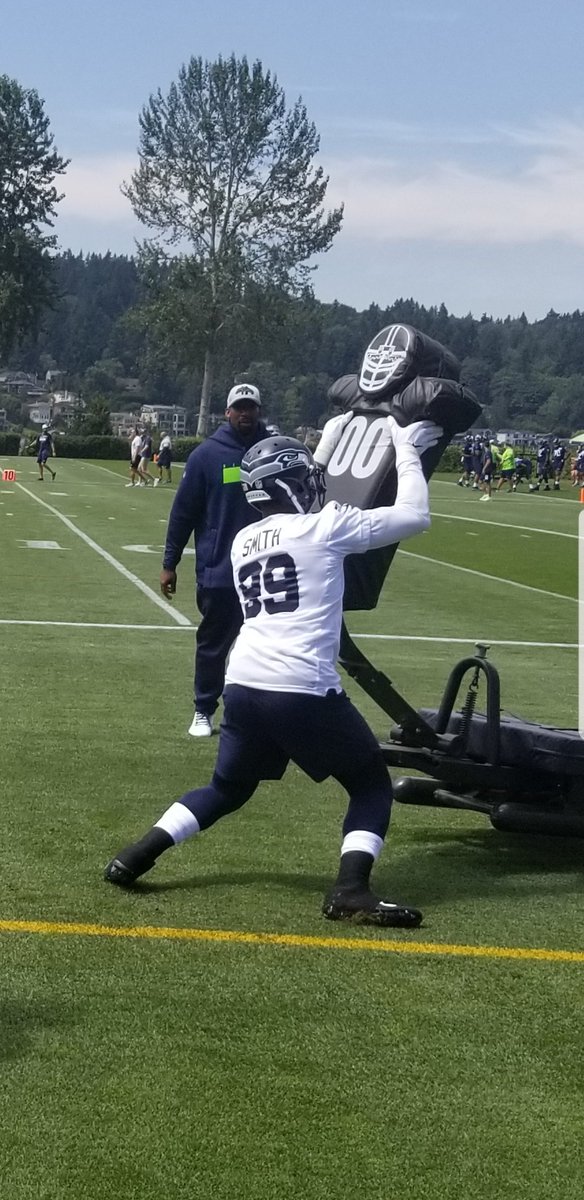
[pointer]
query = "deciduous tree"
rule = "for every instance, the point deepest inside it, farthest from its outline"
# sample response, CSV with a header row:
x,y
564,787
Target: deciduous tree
x,y
29,166
227,181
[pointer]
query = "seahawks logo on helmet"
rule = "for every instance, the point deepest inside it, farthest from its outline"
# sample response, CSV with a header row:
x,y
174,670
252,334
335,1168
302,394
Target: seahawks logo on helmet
x,y
281,470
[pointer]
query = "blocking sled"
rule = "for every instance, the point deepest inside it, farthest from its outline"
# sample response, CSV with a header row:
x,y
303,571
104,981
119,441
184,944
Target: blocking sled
x,y
523,776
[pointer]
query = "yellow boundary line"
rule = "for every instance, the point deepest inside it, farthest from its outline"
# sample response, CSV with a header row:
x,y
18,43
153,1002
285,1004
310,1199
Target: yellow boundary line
x,y
170,933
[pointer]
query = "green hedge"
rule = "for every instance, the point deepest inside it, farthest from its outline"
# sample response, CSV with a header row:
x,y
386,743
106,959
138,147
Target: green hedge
x,y
182,447
102,446
450,460
94,446
9,443
71,446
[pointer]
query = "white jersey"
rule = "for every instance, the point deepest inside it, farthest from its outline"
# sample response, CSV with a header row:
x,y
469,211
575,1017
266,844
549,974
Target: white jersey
x,y
165,444
135,447
288,572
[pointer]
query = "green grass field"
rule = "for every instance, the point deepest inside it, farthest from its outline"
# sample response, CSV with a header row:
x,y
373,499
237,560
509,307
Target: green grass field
x,y
151,1046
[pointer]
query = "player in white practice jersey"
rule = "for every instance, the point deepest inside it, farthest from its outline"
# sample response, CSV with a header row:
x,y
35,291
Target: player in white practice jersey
x,y
283,697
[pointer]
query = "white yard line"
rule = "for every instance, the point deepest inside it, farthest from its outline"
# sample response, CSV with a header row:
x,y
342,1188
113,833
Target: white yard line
x,y
493,578
503,525
470,641
374,637
99,625
113,562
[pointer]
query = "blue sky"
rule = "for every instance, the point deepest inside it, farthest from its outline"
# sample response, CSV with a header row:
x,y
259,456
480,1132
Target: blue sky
x,y
453,130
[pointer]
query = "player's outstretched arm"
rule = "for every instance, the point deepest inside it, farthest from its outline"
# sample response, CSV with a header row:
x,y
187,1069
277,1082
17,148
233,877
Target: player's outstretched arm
x,y
411,512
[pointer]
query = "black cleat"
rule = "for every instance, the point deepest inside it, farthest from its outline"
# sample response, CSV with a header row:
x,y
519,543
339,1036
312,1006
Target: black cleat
x,y
123,875
364,908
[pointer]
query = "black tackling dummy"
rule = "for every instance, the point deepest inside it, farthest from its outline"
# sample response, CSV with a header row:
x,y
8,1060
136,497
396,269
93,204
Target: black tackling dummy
x,y
414,378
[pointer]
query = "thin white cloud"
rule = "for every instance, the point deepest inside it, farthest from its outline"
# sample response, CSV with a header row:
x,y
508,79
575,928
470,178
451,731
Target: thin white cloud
x,y
539,200
92,186
560,135
535,199
382,129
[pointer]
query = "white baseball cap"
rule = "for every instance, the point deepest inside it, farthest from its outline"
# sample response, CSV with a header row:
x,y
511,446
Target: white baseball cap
x,y
243,391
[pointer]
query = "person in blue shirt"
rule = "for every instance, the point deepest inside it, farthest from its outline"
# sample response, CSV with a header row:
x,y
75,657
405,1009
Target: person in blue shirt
x,y
466,462
488,470
146,479
210,503
45,448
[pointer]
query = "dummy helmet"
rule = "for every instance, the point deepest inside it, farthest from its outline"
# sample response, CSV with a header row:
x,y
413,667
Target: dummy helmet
x,y
384,358
281,470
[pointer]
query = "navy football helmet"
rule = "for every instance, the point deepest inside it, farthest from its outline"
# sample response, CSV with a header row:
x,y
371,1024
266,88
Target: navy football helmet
x,y
281,470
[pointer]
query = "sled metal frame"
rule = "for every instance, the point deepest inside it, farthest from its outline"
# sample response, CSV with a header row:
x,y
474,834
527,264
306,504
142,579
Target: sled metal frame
x,y
514,798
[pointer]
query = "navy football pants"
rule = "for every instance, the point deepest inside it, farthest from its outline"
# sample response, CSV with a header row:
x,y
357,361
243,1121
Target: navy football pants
x,y
261,732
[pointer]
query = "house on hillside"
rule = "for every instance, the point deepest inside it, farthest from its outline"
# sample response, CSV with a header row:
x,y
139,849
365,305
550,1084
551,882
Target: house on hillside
x,y
56,404
170,417
66,405
21,383
124,423
38,413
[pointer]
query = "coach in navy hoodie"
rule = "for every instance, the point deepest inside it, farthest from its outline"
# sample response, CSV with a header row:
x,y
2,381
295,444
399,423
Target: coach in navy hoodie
x,y
210,502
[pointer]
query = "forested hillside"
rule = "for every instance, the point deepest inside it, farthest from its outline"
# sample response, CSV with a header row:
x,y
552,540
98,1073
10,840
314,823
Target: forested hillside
x,y
528,376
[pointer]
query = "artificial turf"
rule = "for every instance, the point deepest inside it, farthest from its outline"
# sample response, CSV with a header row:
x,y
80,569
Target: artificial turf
x,y
164,1069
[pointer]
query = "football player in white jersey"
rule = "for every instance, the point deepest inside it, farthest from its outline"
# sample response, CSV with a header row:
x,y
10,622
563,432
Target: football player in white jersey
x,y
283,698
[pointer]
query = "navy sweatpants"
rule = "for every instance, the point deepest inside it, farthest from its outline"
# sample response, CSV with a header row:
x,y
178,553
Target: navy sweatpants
x,y
221,619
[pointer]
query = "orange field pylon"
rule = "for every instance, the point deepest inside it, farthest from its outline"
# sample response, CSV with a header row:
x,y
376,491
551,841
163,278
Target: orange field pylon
x,y
582,495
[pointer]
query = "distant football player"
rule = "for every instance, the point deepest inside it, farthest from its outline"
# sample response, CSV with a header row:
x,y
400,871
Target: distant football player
x,y
542,468
478,449
523,470
558,462
283,699
45,448
466,462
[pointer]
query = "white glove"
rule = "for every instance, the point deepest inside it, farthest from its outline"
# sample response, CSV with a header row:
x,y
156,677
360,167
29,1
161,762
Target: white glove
x,y
421,435
330,438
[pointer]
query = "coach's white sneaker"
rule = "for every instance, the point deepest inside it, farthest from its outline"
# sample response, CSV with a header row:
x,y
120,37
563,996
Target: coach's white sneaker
x,y
486,497
156,482
202,725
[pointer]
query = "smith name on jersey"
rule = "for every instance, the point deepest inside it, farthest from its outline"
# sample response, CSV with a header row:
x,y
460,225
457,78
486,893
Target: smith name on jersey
x,y
287,574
